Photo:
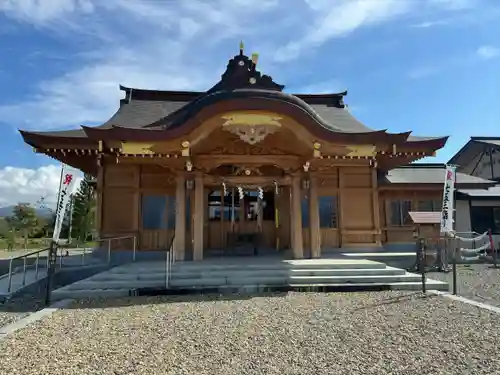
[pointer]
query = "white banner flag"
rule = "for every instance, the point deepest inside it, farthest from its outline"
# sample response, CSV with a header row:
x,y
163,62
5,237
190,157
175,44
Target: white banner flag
x,y
66,187
448,200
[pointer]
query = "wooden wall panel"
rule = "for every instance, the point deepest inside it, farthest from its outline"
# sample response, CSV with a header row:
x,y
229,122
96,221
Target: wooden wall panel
x,y
358,209
121,175
119,204
156,178
327,182
400,235
358,221
120,210
329,238
284,217
216,234
358,180
429,231
156,239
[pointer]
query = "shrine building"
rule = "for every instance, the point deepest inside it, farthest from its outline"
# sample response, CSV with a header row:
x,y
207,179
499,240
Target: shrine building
x,y
246,164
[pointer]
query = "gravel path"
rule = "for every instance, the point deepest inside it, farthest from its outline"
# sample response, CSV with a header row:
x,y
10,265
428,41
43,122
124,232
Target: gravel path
x,y
479,282
297,333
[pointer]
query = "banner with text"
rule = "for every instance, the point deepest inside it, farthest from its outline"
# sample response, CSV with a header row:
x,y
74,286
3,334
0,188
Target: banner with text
x,y
66,187
448,200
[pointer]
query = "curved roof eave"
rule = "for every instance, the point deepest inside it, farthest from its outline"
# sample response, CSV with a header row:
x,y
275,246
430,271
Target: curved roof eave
x,y
183,121
434,143
37,139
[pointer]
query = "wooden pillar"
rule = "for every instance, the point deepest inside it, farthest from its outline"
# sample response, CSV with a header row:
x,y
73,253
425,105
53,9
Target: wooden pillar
x,y
199,217
376,208
340,206
314,228
180,217
296,214
100,194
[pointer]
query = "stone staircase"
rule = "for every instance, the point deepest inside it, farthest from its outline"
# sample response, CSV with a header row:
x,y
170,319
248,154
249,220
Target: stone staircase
x,y
245,274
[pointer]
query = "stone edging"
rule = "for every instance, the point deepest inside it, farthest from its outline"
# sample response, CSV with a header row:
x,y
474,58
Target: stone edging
x,y
31,318
481,305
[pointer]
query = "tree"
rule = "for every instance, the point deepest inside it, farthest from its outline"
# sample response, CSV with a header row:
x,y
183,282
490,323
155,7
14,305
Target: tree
x,y
83,209
23,220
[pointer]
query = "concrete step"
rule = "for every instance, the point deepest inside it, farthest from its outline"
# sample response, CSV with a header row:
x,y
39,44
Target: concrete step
x,y
353,279
243,272
114,284
113,293
191,274
309,280
244,263
248,272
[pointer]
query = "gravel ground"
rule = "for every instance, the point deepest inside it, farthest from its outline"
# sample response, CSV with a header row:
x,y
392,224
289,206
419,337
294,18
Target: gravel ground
x,y
479,282
296,333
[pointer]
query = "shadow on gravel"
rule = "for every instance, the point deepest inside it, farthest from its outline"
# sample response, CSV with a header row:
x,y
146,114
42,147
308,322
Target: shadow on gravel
x,y
147,296
22,304
103,303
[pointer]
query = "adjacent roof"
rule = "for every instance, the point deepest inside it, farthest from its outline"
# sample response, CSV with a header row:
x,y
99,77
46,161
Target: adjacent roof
x,y
425,217
492,192
430,173
473,148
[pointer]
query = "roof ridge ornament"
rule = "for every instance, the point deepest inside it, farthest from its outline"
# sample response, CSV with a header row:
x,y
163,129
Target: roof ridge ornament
x,y
241,72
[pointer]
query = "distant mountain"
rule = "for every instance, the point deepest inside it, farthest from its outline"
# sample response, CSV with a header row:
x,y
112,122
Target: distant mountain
x,y
7,211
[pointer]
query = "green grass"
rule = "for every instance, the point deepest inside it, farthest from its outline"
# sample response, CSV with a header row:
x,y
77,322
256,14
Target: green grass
x,y
3,226
33,244
37,243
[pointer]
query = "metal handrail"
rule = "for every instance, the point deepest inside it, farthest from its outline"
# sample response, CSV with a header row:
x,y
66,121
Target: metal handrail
x,y
134,246
25,257
25,266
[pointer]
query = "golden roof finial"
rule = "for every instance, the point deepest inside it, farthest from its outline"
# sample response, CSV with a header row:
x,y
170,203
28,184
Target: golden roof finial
x,y
242,46
255,58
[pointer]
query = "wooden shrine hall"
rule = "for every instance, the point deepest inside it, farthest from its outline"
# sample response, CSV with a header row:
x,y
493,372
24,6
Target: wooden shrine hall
x,y
246,163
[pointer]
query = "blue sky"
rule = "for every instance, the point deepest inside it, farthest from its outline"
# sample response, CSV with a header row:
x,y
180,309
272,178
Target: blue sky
x,y
430,66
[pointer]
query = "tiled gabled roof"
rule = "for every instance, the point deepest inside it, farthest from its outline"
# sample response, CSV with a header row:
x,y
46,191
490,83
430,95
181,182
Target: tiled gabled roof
x,y
473,148
429,173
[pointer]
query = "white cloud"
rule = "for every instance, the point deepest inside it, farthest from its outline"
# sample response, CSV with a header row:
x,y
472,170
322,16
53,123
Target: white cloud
x,y
131,44
427,24
171,45
168,45
340,18
24,185
487,52
43,11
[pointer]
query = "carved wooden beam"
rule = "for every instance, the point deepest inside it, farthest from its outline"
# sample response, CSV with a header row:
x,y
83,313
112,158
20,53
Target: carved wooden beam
x,y
282,161
246,180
